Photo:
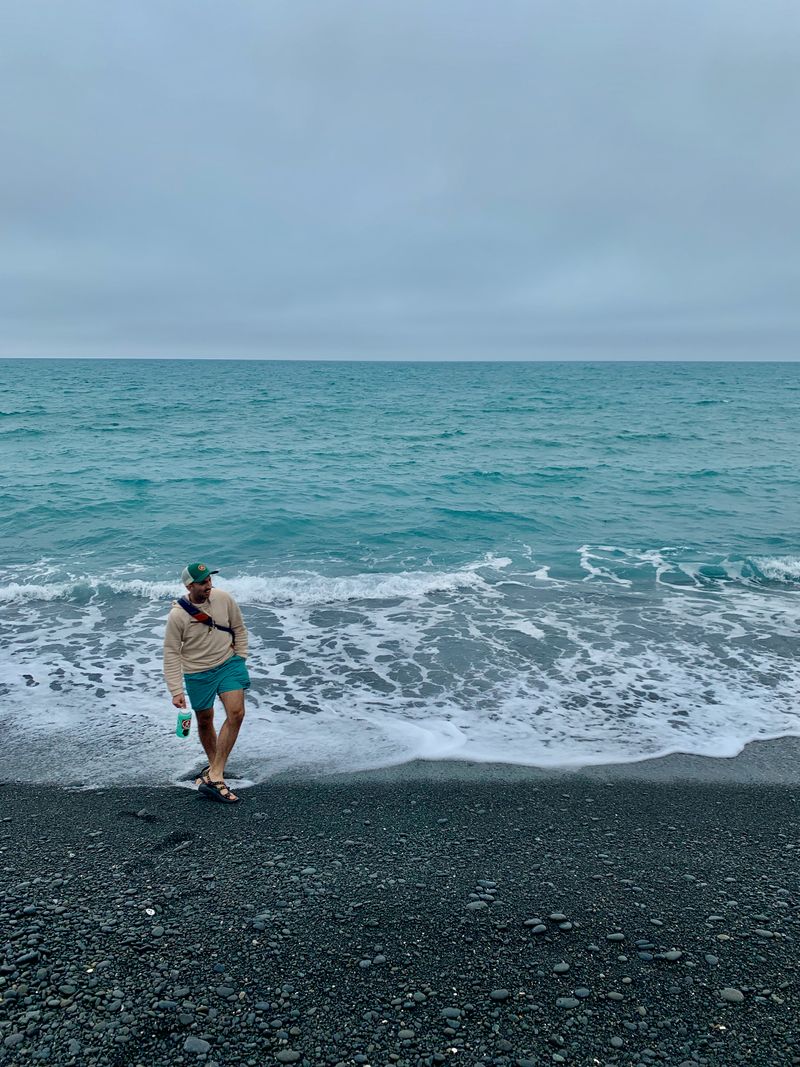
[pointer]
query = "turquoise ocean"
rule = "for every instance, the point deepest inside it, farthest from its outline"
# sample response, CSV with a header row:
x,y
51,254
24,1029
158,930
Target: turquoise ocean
x,y
553,564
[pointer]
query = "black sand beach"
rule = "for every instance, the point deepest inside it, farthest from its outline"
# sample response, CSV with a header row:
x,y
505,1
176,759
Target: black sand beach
x,y
433,914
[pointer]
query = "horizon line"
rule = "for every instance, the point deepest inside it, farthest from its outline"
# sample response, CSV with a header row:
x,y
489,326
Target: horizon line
x,y
396,360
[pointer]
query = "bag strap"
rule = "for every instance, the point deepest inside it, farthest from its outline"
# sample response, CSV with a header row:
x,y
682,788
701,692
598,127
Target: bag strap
x,y
201,616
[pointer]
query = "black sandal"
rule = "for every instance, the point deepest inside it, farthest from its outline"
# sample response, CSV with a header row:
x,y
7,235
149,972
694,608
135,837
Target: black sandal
x,y
219,791
202,778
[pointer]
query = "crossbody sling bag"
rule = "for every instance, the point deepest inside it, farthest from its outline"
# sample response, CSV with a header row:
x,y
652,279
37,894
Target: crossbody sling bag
x,y
201,616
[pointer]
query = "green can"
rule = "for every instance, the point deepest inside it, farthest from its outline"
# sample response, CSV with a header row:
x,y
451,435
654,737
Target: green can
x,y
184,723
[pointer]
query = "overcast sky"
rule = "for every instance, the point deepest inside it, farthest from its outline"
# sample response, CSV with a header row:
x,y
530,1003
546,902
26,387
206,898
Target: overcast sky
x,y
400,179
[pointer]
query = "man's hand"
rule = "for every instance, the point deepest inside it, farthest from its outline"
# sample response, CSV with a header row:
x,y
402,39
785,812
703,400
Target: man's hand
x,y
179,701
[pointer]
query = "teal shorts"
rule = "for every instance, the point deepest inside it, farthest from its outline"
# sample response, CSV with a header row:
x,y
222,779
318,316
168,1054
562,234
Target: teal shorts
x,y
204,686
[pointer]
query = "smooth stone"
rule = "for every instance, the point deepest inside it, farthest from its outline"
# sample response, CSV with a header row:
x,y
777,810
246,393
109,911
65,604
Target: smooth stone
x,y
733,996
567,1002
287,1055
196,1044
499,994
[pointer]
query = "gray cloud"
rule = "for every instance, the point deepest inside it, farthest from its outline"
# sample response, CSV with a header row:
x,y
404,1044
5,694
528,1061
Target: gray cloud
x,y
399,179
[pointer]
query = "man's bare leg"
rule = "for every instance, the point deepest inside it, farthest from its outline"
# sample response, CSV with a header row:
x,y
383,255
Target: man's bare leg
x,y
233,702
207,734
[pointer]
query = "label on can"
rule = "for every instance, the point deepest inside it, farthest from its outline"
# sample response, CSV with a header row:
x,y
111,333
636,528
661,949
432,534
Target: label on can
x,y
184,723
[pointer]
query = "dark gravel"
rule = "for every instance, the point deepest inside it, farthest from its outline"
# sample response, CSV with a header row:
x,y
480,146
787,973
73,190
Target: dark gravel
x,y
477,922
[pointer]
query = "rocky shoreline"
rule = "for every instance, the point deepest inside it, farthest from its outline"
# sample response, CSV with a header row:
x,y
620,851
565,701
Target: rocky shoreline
x,y
408,921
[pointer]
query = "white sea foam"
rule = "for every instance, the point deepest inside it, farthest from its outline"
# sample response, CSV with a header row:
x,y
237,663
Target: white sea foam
x,y
485,662
307,588
14,591
779,568
593,570
300,587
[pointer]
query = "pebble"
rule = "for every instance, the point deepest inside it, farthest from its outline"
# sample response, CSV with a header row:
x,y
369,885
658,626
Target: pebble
x,y
561,968
196,1044
499,994
567,1002
287,1055
733,996
476,905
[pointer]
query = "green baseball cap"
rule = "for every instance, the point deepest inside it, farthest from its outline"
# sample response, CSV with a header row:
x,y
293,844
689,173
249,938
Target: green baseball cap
x,y
196,572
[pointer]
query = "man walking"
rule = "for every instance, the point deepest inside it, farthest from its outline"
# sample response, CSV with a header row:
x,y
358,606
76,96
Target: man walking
x,y
205,646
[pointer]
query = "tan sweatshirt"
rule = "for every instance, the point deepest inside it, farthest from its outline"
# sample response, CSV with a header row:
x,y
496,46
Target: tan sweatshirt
x,y
191,646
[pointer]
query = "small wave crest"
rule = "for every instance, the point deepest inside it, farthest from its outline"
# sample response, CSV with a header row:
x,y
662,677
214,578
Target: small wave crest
x,y
303,588
14,592
777,568
309,588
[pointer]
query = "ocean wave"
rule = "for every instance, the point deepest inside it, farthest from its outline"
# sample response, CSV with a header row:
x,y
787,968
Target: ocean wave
x,y
600,564
305,588
13,592
23,431
311,588
503,665
777,568
625,566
